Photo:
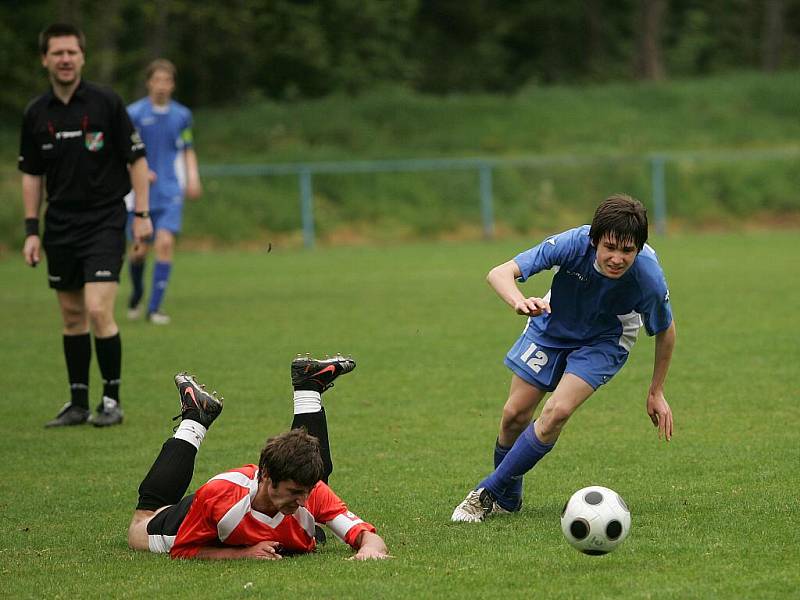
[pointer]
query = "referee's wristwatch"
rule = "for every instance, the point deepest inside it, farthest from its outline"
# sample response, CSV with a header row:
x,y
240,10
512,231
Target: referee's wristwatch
x,y
142,214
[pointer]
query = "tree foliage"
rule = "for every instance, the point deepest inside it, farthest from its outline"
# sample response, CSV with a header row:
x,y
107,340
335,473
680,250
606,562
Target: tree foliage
x,y
285,49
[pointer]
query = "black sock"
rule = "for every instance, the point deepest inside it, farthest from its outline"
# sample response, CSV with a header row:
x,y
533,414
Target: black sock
x,y
169,477
78,354
109,358
317,425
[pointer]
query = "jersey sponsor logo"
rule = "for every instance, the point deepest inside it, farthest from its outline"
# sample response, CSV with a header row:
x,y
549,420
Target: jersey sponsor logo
x,y
102,273
148,120
65,135
94,141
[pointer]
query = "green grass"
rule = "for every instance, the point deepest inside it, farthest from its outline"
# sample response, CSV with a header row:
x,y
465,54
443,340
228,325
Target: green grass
x,y
715,512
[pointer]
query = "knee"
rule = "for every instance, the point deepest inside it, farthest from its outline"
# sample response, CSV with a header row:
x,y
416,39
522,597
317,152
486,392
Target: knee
x,y
75,323
165,246
137,531
102,319
74,320
515,419
553,419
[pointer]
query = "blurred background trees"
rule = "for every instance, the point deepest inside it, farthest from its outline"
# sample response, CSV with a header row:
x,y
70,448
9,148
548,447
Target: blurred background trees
x,y
286,49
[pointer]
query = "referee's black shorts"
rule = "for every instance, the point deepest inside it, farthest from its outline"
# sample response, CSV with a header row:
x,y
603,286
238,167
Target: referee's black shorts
x,y
84,248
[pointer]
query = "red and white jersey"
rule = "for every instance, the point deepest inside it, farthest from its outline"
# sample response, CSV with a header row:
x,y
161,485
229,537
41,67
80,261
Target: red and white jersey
x,y
222,512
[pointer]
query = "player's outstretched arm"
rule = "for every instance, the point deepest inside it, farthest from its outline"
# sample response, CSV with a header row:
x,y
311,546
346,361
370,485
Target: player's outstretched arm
x,y
657,407
503,279
266,550
370,547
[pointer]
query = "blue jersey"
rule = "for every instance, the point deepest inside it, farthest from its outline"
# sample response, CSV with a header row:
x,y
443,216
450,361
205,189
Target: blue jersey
x,y
166,132
589,307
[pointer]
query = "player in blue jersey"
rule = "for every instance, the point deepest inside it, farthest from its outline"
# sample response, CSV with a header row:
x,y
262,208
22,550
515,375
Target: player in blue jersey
x,y
607,284
166,129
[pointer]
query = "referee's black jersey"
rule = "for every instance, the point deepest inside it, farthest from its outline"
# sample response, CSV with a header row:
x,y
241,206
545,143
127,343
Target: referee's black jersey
x,y
83,148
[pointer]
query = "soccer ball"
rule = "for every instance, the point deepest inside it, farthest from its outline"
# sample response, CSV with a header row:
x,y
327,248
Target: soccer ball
x,y
595,520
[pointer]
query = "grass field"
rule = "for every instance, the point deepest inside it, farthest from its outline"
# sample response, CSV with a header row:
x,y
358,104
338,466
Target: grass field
x,y
715,512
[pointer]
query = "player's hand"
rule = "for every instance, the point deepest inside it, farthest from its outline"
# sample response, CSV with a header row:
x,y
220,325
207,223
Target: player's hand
x,y
266,550
31,249
142,229
660,414
532,307
370,554
152,176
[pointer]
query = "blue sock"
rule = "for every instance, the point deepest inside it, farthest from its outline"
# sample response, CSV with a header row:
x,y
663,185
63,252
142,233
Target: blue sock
x,y
523,456
136,270
160,280
513,495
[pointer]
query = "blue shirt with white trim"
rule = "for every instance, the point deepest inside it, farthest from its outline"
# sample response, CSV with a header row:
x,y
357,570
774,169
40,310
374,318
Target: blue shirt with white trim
x,y
166,132
586,305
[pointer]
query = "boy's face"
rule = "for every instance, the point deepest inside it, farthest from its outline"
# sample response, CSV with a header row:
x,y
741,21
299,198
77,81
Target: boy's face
x,y
63,59
287,496
160,86
615,258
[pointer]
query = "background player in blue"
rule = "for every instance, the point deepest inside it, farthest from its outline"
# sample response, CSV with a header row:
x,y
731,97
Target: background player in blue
x,y
607,284
166,129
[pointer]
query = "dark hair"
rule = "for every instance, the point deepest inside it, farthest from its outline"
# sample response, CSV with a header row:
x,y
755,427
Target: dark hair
x,y
161,64
622,217
60,30
292,455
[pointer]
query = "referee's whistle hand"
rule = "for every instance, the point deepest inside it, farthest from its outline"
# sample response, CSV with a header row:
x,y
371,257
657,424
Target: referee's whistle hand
x,y
142,229
30,250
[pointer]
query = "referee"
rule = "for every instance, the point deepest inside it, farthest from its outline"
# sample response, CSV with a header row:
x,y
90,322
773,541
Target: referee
x,y
78,143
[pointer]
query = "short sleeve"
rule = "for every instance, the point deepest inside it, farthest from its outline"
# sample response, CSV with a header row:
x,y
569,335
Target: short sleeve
x,y
187,137
552,252
127,140
30,159
655,306
329,509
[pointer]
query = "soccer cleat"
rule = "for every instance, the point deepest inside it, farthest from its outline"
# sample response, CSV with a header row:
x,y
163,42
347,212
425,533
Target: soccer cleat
x,y
196,403
108,413
135,313
499,510
478,505
69,415
318,375
158,318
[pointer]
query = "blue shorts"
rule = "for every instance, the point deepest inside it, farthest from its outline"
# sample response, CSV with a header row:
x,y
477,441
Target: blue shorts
x,y
169,217
543,366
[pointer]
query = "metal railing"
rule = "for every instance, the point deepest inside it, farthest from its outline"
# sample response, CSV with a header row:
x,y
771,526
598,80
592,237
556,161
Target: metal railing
x,y
485,167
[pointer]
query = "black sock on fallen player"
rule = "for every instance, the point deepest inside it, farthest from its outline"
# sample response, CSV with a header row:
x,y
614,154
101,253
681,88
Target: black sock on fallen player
x,y
316,424
169,477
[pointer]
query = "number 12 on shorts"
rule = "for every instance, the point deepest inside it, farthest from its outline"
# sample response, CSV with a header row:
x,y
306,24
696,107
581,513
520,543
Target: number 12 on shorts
x,y
534,358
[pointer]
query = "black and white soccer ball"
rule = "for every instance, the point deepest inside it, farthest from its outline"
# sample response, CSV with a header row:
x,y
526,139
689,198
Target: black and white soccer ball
x,y
595,520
